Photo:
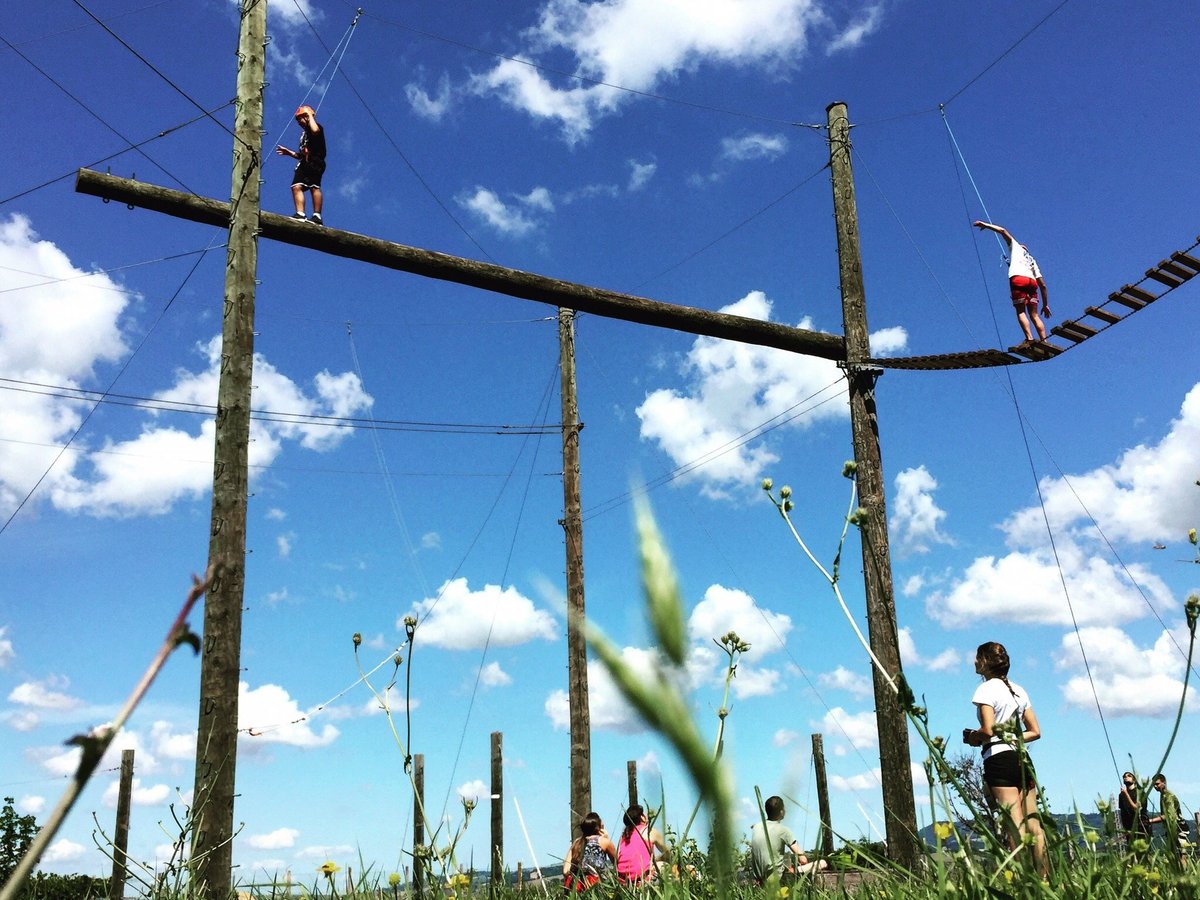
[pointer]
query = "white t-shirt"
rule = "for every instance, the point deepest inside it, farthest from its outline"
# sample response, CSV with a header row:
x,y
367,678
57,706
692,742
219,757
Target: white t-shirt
x,y
1021,262
1007,708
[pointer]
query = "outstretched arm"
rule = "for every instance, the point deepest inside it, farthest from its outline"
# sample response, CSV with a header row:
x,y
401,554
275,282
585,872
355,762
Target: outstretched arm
x,y
286,151
999,229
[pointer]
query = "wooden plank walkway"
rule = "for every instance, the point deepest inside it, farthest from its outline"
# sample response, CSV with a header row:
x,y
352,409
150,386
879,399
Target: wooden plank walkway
x,y
1159,280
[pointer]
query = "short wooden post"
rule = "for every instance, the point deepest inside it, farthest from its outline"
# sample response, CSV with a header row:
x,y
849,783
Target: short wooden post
x,y
825,838
497,810
631,777
418,877
116,888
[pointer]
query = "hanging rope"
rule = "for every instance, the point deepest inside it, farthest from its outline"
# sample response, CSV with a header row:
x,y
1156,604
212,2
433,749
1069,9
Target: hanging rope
x,y
345,44
335,57
971,178
1012,392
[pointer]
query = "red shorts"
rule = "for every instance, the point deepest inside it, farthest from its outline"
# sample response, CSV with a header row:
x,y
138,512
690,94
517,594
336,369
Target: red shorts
x,y
1024,290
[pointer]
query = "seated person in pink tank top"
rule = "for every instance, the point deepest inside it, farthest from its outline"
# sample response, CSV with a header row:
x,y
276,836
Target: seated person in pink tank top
x,y
636,848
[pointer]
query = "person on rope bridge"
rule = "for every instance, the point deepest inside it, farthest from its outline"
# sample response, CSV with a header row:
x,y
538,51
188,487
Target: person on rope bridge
x,y
311,163
1024,280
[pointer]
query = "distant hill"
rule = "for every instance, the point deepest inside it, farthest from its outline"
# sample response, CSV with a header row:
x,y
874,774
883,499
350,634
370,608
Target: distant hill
x,y
1067,823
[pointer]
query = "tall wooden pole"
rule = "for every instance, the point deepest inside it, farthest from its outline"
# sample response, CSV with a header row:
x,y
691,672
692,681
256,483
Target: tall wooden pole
x,y
116,887
420,855
899,808
577,677
825,838
220,668
631,780
497,812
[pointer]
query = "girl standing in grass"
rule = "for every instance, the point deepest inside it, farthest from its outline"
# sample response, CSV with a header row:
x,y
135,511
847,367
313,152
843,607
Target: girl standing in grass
x,y
1007,723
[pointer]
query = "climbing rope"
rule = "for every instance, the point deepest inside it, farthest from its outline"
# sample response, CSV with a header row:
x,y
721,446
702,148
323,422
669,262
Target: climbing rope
x,y
1013,395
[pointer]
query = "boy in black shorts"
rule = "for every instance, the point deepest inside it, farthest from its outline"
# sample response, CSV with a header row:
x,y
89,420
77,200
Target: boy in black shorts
x,y
311,166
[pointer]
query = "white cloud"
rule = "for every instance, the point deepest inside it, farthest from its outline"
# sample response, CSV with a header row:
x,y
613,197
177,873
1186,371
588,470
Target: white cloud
x,y
916,518
60,762
267,714
606,706
493,676
474,790
729,609
859,729
431,540
864,781
785,736
155,795
42,694
913,585
753,146
494,212
1133,681
62,851
283,544
865,24
649,764
56,325
640,174
278,839
275,514
1146,495
170,744
1027,588
735,389
462,619
432,106
31,804
147,473
21,721
639,44
843,679
7,654
947,659
538,198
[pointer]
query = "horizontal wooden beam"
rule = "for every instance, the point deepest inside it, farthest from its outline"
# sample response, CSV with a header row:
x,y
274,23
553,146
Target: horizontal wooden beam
x,y
486,276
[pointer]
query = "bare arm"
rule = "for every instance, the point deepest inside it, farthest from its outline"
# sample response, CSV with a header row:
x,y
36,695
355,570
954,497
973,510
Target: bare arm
x,y
999,229
286,151
801,859
1045,297
1032,730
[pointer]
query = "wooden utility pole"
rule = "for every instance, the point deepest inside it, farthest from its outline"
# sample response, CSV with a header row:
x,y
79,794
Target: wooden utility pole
x,y
116,887
825,838
220,668
631,779
572,523
899,808
420,853
497,812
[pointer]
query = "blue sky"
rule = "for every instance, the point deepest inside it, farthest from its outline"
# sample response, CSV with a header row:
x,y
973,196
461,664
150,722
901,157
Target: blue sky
x,y
684,169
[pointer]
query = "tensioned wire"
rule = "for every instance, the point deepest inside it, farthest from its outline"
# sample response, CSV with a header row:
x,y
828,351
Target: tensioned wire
x,y
1012,392
545,413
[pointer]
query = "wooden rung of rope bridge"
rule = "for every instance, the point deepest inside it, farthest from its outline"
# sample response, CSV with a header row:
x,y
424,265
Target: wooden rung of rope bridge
x,y
1159,280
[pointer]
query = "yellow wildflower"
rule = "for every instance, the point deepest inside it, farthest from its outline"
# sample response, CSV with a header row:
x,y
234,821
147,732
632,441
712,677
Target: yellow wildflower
x,y
943,830
328,868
